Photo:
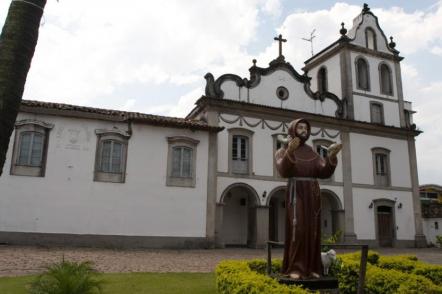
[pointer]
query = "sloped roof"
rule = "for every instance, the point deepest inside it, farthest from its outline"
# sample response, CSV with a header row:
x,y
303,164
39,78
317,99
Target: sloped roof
x,y
70,110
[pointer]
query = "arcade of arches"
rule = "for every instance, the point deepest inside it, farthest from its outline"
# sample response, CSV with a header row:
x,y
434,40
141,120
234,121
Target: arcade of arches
x,y
242,221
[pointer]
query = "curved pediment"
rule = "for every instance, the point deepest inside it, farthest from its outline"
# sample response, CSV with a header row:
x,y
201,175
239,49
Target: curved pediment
x,y
278,85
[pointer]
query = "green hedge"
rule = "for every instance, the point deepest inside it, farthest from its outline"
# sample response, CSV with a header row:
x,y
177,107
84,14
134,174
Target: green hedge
x,y
389,274
237,277
385,274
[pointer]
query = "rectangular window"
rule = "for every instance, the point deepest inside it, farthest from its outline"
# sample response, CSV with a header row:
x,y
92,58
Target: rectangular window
x,y
31,149
381,169
111,156
182,162
240,154
376,113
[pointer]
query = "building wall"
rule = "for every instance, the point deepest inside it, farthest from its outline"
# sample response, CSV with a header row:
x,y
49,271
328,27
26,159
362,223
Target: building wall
x,y
362,159
365,216
67,200
333,65
430,230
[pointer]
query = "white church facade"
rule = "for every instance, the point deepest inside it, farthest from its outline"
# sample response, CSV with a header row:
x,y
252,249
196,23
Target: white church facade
x,y
93,177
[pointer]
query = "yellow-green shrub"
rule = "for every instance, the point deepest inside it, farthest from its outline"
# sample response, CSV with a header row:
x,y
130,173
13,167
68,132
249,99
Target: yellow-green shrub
x,y
236,277
430,271
386,281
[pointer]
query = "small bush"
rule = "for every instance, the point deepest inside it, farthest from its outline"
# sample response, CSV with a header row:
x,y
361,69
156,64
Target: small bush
x,y
403,263
67,278
237,277
439,240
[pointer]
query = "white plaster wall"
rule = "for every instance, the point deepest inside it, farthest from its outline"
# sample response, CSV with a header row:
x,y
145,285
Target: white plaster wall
x,y
430,230
362,159
364,219
358,31
362,110
263,152
67,200
373,64
333,66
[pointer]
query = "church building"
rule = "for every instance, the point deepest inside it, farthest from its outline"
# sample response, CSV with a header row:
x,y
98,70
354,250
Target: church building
x,y
94,177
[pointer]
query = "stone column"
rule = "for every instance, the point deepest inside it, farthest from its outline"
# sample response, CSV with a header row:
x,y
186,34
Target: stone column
x,y
212,181
262,226
400,95
219,241
349,231
347,82
420,240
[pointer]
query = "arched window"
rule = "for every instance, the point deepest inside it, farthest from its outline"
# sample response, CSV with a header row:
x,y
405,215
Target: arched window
x,y
385,78
30,148
362,74
322,80
370,39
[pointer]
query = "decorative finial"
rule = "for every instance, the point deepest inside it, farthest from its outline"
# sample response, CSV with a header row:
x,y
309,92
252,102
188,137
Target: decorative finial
x,y
343,30
366,8
391,44
254,62
280,40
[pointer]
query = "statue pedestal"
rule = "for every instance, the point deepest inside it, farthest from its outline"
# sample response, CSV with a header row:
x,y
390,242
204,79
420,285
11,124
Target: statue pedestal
x,y
322,284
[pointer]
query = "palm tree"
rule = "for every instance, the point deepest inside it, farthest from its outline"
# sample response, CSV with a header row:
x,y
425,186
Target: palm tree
x,y
17,45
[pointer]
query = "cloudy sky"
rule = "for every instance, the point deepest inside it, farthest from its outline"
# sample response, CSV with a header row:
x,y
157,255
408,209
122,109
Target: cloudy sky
x,y
151,56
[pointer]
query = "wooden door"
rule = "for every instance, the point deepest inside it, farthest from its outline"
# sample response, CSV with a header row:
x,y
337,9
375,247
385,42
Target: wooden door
x,y
385,226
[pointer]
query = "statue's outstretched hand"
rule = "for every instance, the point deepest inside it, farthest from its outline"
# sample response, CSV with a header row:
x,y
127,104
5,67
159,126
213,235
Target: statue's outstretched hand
x,y
334,149
293,144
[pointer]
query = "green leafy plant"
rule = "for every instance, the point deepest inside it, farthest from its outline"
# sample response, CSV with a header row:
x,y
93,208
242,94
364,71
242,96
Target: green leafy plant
x,y
67,277
439,240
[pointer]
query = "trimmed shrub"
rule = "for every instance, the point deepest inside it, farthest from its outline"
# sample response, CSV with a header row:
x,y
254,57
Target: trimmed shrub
x,y
403,263
385,281
260,265
237,277
430,271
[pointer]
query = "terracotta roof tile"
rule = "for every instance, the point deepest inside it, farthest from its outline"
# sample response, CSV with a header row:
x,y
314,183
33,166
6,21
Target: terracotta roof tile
x,y
114,115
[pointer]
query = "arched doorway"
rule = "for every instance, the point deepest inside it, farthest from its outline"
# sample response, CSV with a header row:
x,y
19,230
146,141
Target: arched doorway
x,y
239,216
332,214
276,203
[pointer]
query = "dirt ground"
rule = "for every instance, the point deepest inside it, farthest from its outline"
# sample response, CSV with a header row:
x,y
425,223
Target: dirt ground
x,y
19,260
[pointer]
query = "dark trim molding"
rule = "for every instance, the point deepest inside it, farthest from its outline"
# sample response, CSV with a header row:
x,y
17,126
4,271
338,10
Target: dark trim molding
x,y
317,120
375,97
103,241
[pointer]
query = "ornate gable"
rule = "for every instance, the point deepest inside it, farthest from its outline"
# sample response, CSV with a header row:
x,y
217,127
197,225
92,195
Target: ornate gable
x,y
278,85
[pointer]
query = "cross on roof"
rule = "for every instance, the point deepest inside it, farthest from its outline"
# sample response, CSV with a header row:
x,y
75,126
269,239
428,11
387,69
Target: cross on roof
x,y
280,40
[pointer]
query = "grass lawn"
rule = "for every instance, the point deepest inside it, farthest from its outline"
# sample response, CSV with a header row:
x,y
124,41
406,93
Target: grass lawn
x,y
133,283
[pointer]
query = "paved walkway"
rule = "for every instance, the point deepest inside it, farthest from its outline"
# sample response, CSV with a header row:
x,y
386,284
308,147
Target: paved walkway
x,y
18,260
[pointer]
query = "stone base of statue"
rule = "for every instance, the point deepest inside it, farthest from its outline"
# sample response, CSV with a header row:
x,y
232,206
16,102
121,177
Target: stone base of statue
x,y
322,284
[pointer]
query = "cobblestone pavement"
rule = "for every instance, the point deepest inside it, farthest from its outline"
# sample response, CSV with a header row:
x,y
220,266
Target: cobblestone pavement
x,y
19,260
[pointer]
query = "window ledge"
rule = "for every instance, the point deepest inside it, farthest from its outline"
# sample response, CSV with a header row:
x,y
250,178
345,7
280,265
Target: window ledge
x,y
180,182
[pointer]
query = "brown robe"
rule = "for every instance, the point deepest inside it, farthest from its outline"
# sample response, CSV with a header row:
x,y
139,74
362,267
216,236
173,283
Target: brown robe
x,y
303,254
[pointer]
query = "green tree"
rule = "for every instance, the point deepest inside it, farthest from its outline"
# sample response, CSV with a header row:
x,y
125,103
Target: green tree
x,y
17,45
